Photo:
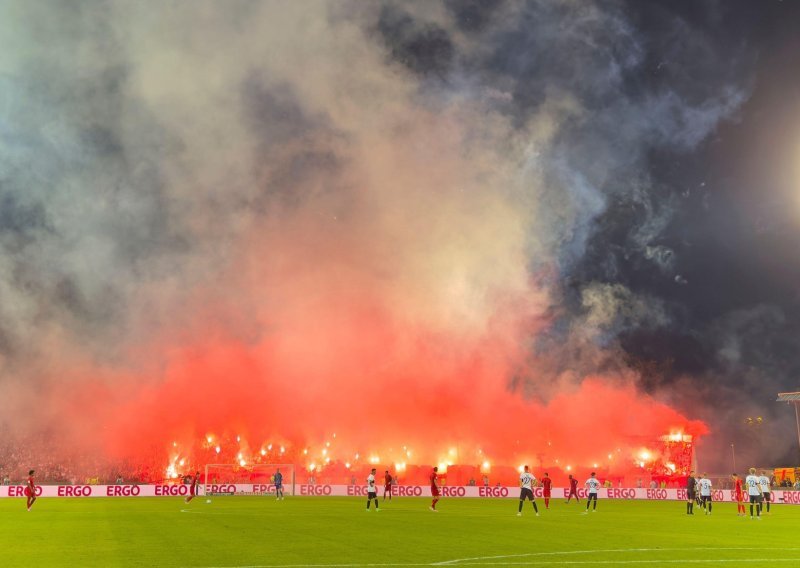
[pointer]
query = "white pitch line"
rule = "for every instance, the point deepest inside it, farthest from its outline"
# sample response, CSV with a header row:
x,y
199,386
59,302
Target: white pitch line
x,y
460,561
549,553
642,561
470,561
531,563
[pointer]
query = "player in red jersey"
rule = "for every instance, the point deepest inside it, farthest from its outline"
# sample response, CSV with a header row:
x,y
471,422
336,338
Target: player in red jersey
x,y
193,482
30,490
547,484
739,493
387,485
434,489
573,489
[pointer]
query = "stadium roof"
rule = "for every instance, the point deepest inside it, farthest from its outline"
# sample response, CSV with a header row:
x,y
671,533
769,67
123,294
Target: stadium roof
x,y
788,396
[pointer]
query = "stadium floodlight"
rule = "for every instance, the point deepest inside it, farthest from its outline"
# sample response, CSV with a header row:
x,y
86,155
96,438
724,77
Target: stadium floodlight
x,y
250,479
792,398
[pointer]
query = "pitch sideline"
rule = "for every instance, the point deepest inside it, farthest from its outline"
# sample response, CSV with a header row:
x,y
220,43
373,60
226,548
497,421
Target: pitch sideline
x,y
476,561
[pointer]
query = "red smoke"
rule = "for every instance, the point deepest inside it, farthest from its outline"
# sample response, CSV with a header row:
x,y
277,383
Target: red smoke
x,y
396,322
290,236
384,388
312,331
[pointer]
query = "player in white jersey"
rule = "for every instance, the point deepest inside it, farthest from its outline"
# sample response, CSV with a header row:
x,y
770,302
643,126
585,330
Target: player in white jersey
x,y
372,490
705,493
754,492
766,492
593,485
526,481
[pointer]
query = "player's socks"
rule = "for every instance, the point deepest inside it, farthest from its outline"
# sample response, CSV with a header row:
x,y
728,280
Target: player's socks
x,y
535,508
546,503
687,507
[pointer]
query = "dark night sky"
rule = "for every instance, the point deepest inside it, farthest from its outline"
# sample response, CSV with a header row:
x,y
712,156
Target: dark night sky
x,y
727,270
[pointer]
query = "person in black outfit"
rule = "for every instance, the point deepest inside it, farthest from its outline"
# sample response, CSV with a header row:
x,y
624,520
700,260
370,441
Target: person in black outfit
x,y
691,493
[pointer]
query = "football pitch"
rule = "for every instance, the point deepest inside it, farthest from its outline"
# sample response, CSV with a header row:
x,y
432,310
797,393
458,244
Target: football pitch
x,y
337,531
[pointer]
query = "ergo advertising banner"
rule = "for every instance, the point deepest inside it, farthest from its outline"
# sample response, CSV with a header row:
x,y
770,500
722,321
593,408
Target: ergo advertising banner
x,y
182,490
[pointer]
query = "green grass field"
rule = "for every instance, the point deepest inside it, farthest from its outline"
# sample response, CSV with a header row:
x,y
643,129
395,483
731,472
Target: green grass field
x,y
259,531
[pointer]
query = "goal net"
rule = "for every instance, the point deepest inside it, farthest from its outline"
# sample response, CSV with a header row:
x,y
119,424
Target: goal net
x,y
251,479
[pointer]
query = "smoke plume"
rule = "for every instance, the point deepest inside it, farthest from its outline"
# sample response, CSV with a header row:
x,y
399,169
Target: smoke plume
x,y
410,224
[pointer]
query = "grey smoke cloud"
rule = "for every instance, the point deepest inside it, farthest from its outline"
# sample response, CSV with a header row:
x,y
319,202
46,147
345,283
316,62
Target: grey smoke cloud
x,y
166,170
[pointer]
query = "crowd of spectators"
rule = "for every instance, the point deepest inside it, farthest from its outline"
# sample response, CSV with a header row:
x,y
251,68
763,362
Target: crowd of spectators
x,y
151,466
54,467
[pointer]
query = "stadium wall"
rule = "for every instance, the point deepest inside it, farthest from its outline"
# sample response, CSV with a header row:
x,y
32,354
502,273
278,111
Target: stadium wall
x,y
181,490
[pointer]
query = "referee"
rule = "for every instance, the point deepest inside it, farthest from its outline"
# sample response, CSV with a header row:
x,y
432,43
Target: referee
x,y
691,493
